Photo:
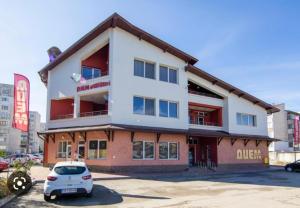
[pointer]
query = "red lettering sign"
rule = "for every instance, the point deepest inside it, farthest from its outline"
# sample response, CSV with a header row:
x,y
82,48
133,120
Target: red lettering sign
x,y
93,86
21,102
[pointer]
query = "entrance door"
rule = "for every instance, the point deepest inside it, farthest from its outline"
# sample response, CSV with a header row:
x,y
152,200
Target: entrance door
x,y
81,150
192,156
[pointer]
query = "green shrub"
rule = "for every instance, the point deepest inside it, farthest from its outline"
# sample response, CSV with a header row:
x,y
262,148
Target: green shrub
x,y
2,153
3,188
25,167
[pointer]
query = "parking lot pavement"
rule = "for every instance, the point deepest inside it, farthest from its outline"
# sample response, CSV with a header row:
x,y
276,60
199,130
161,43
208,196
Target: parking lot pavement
x,y
274,189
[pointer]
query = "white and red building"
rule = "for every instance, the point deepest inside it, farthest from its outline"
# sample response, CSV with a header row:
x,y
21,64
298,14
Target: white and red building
x,y
141,104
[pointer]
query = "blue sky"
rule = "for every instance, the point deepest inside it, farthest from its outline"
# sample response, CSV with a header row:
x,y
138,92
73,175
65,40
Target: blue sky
x,y
253,45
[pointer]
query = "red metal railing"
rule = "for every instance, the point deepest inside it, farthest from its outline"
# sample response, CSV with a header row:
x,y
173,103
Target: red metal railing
x,y
93,113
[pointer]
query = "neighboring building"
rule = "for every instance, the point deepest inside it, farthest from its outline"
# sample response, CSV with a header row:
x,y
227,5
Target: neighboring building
x,y
10,138
35,125
284,125
140,104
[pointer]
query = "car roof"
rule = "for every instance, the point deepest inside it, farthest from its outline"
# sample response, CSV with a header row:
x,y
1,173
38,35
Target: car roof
x,y
70,163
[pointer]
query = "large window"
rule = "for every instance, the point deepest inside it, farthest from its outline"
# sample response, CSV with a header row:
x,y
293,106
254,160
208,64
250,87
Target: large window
x,y
168,74
4,107
64,149
90,73
97,149
168,150
144,106
142,150
144,69
168,109
246,119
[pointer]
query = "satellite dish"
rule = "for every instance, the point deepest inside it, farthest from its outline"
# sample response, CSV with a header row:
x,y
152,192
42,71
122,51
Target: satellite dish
x,y
78,78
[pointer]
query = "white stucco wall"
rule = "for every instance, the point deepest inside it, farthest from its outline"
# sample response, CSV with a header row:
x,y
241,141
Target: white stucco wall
x,y
125,85
233,105
123,49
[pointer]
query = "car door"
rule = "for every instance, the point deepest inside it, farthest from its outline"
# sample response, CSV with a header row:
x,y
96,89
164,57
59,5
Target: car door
x,y
297,165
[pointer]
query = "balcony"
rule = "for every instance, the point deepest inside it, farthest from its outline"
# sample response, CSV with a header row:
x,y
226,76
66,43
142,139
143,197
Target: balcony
x,y
205,116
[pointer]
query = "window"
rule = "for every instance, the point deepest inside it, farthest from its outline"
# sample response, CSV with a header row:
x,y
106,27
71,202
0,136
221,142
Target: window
x,y
4,99
142,150
69,170
4,107
90,73
290,126
168,150
144,69
144,106
246,119
168,75
3,123
97,149
168,109
64,149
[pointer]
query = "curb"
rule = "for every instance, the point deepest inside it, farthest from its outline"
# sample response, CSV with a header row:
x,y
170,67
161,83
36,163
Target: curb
x,y
9,198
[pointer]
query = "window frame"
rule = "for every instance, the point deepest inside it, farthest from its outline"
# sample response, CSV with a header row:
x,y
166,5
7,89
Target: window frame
x,y
68,143
144,68
168,108
143,150
177,144
239,121
93,72
98,148
144,105
168,74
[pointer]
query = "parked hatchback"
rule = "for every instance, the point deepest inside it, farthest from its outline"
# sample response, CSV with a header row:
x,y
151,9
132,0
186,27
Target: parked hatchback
x,y
295,166
3,164
68,177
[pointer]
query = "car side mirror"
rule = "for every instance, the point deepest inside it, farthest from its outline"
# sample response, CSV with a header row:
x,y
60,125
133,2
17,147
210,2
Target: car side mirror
x,y
50,168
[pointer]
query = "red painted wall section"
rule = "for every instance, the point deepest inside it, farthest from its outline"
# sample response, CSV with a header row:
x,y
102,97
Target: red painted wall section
x,y
86,106
213,116
61,108
201,149
98,60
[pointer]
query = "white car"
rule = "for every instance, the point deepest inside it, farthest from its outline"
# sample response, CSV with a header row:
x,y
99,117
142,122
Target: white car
x,y
69,177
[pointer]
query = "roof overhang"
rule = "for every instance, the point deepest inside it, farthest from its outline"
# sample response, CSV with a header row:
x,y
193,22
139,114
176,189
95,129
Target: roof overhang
x,y
231,89
147,129
113,21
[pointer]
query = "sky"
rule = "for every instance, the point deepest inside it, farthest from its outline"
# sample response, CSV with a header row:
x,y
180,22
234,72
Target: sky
x,y
253,45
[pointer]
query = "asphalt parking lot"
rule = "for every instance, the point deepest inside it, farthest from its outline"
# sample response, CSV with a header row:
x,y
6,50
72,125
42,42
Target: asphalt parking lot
x,y
264,189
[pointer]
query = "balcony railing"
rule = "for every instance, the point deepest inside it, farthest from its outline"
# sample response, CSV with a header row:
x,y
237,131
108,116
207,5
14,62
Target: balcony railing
x,y
204,123
66,116
93,113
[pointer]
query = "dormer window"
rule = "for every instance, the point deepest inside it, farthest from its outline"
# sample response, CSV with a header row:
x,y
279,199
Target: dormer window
x,y
90,73
96,65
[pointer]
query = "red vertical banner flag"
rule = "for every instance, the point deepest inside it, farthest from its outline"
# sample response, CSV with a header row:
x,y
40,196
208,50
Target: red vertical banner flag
x,y
21,102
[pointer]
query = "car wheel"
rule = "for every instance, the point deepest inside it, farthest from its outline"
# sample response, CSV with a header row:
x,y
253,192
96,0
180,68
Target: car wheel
x,y
289,169
47,198
89,195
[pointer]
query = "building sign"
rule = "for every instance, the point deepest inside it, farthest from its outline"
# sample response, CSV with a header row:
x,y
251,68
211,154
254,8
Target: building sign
x,y
21,102
248,154
92,86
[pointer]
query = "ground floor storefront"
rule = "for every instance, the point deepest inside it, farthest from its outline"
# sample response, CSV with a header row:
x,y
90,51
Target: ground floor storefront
x,y
144,150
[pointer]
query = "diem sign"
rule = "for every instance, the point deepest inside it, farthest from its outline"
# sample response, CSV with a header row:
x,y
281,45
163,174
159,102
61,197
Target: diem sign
x,y
92,86
248,154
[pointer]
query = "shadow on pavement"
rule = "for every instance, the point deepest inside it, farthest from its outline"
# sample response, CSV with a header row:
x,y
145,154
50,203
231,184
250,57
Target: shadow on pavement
x,y
101,196
276,177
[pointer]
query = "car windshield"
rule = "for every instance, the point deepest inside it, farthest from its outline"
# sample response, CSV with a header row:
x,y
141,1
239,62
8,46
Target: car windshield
x,y
69,170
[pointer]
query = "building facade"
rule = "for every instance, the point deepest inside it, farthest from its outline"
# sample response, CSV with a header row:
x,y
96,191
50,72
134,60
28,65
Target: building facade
x,y
123,99
10,138
284,125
